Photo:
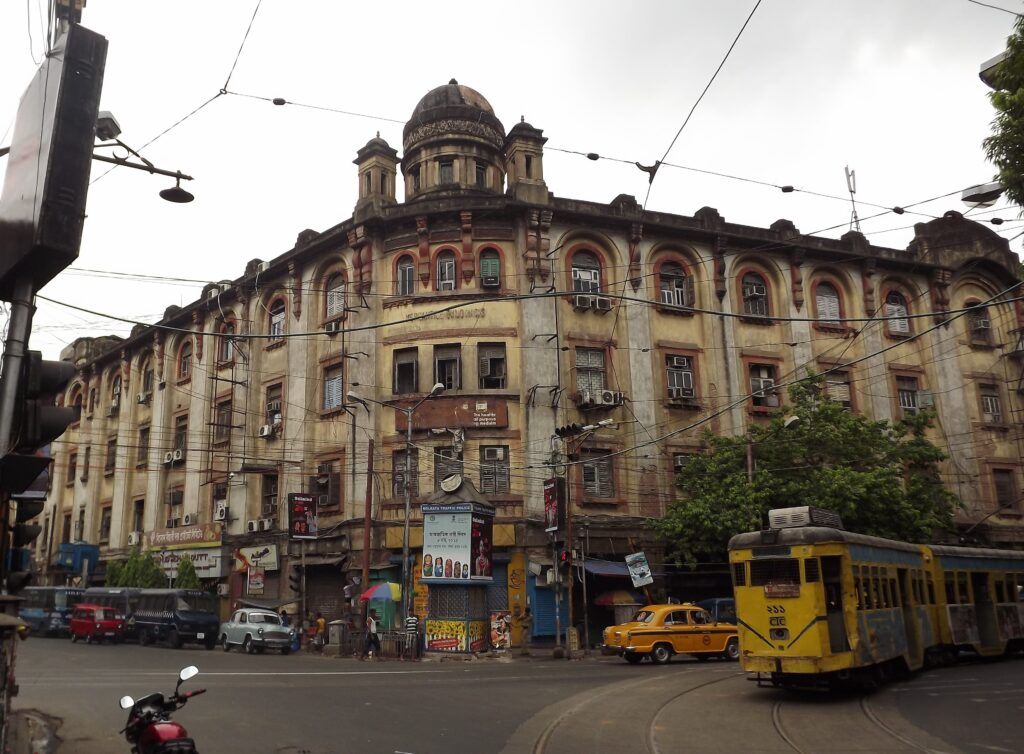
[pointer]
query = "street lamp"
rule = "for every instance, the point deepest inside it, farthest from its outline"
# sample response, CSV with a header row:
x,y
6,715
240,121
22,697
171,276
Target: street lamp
x,y
434,391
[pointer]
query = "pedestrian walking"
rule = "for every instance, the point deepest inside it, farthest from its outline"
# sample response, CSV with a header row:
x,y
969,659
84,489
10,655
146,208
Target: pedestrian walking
x,y
372,634
525,631
320,637
285,620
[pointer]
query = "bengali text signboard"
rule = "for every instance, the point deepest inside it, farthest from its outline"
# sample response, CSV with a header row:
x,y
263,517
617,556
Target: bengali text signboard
x,y
457,540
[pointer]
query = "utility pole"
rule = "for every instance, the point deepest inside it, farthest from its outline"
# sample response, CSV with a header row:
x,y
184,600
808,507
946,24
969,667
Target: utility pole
x,y
366,525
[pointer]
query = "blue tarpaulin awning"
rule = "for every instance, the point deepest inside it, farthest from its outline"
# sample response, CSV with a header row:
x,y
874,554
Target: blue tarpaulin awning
x,y
606,567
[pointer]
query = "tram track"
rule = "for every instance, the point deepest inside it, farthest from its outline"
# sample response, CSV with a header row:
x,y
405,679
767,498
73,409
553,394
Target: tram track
x,y
792,738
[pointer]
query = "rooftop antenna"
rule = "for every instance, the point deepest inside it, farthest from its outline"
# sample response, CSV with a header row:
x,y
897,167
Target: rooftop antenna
x,y
851,185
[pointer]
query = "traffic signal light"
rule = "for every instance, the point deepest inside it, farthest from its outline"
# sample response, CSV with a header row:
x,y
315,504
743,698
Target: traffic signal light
x,y
564,558
295,579
569,430
19,571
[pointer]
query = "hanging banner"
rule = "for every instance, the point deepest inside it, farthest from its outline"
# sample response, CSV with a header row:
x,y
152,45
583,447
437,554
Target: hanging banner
x,y
302,523
256,579
262,556
554,504
457,539
639,570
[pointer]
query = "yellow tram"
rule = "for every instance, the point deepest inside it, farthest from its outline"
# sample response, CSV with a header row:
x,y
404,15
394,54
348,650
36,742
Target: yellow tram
x,y
817,605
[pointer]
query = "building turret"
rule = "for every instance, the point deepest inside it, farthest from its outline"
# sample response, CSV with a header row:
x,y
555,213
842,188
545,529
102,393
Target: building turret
x,y
378,170
524,163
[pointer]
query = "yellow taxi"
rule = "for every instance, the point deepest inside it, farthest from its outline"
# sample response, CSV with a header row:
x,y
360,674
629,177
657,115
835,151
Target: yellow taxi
x,y
660,631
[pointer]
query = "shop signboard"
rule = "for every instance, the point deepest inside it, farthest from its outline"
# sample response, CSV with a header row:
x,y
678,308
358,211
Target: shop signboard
x,y
457,540
302,521
209,562
184,537
256,579
639,570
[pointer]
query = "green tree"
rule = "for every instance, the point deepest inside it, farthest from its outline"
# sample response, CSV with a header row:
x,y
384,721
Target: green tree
x,y
882,478
114,569
187,576
1005,147
140,570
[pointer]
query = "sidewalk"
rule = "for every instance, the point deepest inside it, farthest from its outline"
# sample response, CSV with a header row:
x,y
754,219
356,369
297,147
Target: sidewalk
x,y
31,732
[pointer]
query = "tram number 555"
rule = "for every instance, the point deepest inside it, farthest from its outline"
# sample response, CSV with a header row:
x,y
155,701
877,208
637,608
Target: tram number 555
x,y
776,616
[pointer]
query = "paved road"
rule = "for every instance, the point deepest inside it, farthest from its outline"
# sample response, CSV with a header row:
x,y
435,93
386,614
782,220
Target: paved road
x,y
301,703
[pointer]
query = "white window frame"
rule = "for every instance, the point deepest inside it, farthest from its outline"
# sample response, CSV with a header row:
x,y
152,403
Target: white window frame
x,y
896,313
591,370
446,274
334,384
335,296
448,366
405,272
598,474
826,298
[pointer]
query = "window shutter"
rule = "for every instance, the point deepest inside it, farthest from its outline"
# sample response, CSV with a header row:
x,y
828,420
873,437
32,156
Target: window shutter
x,y
828,304
689,298
897,315
838,390
490,266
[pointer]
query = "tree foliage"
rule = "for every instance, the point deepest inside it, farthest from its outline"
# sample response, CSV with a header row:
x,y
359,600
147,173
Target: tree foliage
x,y
187,576
139,570
1005,147
882,478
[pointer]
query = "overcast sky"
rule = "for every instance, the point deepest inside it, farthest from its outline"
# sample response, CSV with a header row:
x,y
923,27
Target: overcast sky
x,y
889,88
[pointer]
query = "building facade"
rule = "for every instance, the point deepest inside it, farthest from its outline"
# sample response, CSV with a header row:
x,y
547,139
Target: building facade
x,y
533,312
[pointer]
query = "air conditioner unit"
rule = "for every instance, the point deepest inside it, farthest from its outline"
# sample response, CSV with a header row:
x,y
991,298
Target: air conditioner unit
x,y
143,398
269,509
252,525
679,362
925,399
266,524
680,393
323,469
981,324
214,292
171,523
188,519
220,510
754,291
263,267
113,410
490,281
332,328
612,398
168,457
223,590
585,398
679,461
178,455
134,538
446,285
602,303
273,407
582,302
267,431
494,454
323,501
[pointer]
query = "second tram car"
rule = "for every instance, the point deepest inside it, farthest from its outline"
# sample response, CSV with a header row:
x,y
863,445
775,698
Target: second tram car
x,y
817,605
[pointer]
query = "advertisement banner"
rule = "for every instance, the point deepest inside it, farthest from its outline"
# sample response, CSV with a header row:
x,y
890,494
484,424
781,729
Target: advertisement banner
x,y
446,635
262,556
256,578
554,510
477,635
302,523
501,629
457,540
639,570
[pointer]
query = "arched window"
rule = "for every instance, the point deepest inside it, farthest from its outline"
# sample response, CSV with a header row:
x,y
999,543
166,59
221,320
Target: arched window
x,y
446,271
979,326
826,299
405,277
115,391
276,329
490,268
226,346
755,295
335,298
147,376
586,272
185,360
896,313
675,287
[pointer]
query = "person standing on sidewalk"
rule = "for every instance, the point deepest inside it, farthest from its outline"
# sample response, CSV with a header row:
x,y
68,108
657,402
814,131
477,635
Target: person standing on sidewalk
x,y
525,631
320,637
372,637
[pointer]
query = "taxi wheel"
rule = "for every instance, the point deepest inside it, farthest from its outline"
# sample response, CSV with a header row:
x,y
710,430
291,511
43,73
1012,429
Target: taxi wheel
x,y
247,645
634,659
661,654
732,650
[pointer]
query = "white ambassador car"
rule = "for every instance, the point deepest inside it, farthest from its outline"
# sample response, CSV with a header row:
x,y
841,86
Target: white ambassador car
x,y
254,630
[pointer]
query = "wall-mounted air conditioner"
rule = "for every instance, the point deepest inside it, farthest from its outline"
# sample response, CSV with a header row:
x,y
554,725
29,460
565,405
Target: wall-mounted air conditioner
x,y
144,397
323,469
602,304
490,281
267,431
168,457
269,509
323,501
612,398
223,590
188,519
266,524
681,393
252,525
581,302
220,510
178,455
494,454
584,398
331,328
134,538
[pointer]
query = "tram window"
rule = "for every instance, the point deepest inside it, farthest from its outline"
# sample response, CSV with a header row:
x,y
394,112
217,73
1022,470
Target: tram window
x,y
897,598
739,574
950,589
931,589
811,571
1000,591
963,592
857,588
871,577
774,571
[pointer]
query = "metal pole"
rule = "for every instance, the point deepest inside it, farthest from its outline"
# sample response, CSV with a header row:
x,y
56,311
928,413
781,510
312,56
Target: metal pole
x,y
366,527
568,537
583,578
558,590
408,511
750,459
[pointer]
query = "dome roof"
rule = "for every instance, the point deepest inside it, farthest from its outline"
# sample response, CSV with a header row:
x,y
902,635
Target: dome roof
x,y
453,110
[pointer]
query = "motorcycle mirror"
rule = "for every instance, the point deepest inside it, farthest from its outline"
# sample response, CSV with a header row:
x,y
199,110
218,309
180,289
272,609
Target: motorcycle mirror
x,y
190,672
127,702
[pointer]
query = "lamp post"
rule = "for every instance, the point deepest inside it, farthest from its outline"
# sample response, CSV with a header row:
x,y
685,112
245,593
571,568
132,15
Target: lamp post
x,y
434,391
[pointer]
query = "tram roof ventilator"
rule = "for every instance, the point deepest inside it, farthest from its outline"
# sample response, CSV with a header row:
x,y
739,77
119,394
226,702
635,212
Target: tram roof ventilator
x,y
803,515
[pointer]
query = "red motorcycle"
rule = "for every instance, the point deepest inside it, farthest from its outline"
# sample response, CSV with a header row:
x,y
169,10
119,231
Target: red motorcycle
x,y
150,729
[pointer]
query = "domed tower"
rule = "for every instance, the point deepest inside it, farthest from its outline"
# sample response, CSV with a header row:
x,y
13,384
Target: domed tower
x,y
453,144
378,169
524,161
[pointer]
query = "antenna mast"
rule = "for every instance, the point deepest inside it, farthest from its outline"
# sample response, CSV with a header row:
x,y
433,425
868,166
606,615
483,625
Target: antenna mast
x,y
851,186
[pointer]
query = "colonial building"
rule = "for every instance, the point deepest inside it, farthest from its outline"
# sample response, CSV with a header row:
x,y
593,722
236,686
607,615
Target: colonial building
x,y
533,312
